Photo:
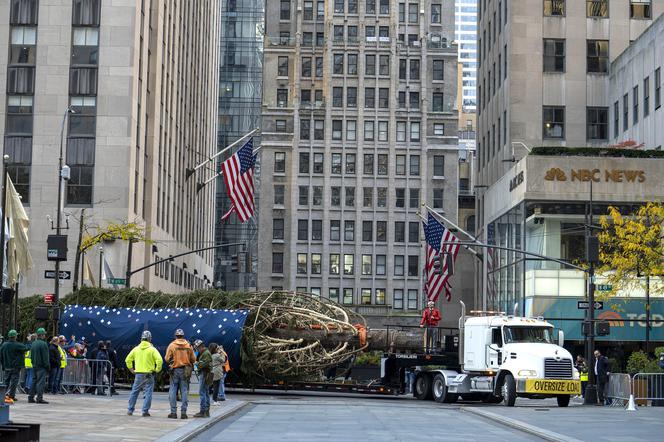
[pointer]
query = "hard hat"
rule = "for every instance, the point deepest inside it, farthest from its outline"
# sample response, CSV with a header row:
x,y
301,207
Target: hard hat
x,y
198,343
146,335
12,334
41,331
179,332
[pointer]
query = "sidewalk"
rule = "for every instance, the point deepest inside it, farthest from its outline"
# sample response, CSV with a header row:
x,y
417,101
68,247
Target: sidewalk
x,y
83,417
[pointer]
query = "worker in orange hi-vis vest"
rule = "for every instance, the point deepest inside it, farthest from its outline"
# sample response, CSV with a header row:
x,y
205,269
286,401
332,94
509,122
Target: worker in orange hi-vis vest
x,y
430,319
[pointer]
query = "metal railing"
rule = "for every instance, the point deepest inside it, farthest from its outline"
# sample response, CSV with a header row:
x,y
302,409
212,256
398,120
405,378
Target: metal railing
x,y
619,388
639,389
82,374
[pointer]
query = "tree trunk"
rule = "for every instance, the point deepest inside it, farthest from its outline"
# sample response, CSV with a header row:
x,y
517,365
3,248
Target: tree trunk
x,y
77,260
377,339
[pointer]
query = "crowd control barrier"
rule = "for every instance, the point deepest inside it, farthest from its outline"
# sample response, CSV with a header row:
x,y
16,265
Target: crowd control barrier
x,y
640,389
82,374
619,388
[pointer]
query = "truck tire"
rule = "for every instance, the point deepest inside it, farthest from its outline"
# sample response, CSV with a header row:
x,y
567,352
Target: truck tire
x,y
509,390
422,387
563,400
439,391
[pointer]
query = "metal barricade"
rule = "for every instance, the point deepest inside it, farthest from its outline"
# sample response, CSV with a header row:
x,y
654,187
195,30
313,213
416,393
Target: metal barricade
x,y
82,374
649,387
619,388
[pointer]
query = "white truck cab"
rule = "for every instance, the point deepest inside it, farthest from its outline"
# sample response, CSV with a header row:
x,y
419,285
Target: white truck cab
x,y
502,357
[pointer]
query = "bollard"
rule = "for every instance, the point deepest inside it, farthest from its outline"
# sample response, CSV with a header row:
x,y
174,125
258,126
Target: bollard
x,y
631,406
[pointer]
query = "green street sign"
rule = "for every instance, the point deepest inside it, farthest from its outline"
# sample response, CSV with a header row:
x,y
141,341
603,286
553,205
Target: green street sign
x,y
604,287
116,281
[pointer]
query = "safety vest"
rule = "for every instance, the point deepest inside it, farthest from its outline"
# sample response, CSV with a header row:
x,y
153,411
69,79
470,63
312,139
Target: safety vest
x,y
28,361
63,357
583,376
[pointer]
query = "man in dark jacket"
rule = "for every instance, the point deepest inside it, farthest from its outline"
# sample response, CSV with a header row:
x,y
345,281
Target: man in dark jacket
x,y
602,377
54,360
113,357
40,366
204,365
12,357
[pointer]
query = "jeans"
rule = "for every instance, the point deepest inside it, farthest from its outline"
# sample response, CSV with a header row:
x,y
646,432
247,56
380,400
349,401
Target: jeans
x,y
601,391
204,393
38,384
178,380
28,378
11,381
222,388
53,380
142,381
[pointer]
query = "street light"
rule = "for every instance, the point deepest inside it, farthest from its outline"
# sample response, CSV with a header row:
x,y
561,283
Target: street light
x,y
63,173
3,216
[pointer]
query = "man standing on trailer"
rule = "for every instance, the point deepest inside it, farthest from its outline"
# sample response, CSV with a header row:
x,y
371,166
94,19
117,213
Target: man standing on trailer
x,y
430,319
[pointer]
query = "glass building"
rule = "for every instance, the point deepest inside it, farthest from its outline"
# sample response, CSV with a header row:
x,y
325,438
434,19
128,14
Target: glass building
x,y
240,91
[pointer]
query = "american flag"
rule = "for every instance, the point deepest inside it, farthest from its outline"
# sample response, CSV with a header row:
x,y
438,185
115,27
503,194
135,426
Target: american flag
x,y
436,234
490,263
238,173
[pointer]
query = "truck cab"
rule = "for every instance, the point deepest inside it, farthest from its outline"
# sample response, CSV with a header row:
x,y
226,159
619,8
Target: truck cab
x,y
504,357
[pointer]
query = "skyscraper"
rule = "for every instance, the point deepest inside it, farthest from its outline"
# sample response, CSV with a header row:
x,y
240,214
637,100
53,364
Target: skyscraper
x,y
466,37
141,78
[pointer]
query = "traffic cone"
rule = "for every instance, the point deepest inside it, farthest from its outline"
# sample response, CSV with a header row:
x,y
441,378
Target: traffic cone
x,y
631,405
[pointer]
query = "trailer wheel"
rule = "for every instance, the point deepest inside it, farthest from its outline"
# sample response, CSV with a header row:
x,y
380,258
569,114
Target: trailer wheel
x,y
422,390
563,400
509,390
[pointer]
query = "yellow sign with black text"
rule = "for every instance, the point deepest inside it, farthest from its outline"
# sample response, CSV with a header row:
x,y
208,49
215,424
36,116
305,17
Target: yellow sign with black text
x,y
553,386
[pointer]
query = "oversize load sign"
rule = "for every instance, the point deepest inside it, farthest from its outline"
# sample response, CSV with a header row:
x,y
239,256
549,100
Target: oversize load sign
x,y
549,386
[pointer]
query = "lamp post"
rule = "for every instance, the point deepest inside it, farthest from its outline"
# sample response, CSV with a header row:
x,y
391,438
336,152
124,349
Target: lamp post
x,y
3,217
58,221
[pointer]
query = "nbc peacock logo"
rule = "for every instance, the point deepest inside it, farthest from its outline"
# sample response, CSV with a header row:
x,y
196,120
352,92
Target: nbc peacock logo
x,y
555,174
615,320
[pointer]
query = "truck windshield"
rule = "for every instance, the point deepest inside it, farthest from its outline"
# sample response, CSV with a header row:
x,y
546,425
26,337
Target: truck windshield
x,y
527,334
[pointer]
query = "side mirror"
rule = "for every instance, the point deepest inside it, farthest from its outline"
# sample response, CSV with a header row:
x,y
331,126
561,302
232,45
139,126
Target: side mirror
x,y
488,336
561,338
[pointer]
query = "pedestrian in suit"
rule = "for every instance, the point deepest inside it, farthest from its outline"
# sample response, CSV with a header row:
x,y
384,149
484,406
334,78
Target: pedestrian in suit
x,y
602,377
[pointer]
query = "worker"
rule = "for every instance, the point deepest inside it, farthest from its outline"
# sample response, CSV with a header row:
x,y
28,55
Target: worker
x,y
582,367
430,319
205,377
145,362
28,364
12,359
180,359
40,366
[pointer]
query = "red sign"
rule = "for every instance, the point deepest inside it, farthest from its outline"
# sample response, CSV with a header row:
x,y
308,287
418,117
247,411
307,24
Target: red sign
x,y
49,298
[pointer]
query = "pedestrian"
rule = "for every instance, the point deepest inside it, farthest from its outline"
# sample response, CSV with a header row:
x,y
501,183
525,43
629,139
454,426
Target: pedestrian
x,y
582,367
180,359
39,354
602,377
113,359
28,363
102,367
218,362
205,377
94,369
144,361
62,343
430,319
54,365
12,358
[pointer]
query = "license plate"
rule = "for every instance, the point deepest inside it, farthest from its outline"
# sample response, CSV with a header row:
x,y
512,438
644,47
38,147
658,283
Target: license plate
x,y
552,386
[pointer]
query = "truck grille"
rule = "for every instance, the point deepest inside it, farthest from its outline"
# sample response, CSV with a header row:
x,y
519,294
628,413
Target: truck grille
x,y
554,369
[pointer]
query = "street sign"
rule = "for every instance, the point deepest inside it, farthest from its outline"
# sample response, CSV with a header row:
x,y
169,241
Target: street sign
x,y
604,287
116,281
50,274
584,305
49,298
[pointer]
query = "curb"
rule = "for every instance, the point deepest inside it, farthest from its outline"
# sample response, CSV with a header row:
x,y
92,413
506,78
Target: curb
x,y
193,429
519,425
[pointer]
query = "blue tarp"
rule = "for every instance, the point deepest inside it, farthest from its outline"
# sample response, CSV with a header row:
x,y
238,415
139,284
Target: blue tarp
x,y
123,327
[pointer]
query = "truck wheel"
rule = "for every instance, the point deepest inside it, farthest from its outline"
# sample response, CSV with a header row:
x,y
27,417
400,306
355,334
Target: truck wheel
x,y
422,390
509,390
563,400
439,388
451,398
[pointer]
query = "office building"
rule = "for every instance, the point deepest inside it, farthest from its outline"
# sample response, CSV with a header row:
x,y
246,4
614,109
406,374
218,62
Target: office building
x,y
359,129
466,39
141,78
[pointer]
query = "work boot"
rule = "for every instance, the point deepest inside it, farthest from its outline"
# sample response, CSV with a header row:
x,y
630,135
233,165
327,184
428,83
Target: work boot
x,y
183,416
173,416
41,401
207,413
200,414
31,400
146,414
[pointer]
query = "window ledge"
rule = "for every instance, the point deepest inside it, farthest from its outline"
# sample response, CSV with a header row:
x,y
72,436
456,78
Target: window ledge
x,y
439,177
277,275
278,241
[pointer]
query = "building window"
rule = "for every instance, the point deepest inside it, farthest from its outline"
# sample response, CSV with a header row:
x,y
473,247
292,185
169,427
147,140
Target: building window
x,y
438,70
399,266
335,167
350,196
315,263
597,56
401,131
380,296
284,10
414,131
365,296
438,165
303,195
381,231
381,197
349,230
282,97
640,9
81,160
351,130
383,130
304,162
439,129
553,122
302,229
335,264
400,198
646,97
412,299
413,12
635,105
320,12
308,11
658,88
278,228
384,7
414,199
402,68
554,8
83,81
337,129
335,230
23,46
400,166
616,119
367,197
279,194
383,98
349,264
350,164
85,12
554,55
23,12
348,296
306,67
301,263
351,97
413,265
435,12
339,6
351,69
305,129
597,123
414,69
319,129
625,112
280,125
369,97
352,6
19,119
317,197
277,262
397,299
384,65
597,8
335,196
414,165
368,130
282,70
319,67
367,265
438,198
414,231
280,162
338,65
333,294
19,149
382,164
399,231
316,230
437,102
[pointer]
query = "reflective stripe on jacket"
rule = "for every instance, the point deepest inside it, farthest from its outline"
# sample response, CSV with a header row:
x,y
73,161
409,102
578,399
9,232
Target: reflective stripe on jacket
x,y
28,361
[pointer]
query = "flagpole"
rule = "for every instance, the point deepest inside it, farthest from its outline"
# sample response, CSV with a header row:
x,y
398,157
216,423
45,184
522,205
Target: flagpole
x,y
474,252
438,215
200,186
190,172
